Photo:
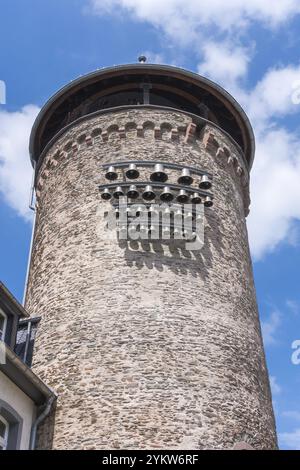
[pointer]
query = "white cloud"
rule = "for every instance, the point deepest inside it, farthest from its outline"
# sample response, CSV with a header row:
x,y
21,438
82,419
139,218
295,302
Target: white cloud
x,y
275,387
212,28
275,190
275,95
295,415
224,62
15,168
154,57
290,439
182,20
218,33
293,306
270,327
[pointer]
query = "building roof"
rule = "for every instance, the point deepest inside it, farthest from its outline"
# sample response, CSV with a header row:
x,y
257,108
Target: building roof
x,y
11,302
179,88
13,367
22,376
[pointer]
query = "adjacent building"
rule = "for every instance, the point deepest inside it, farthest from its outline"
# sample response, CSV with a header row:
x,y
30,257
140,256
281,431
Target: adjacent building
x,y
24,399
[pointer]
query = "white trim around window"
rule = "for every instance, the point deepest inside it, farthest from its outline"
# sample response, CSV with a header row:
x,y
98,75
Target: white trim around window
x,y
4,427
3,325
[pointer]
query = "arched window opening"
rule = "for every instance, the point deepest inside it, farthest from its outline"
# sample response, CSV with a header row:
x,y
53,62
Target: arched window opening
x,y
4,432
11,425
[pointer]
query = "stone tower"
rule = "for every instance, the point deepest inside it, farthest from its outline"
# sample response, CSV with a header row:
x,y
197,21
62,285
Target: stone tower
x,y
148,344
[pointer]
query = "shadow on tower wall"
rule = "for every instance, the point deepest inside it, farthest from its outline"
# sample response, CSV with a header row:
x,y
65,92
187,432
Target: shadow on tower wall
x,y
157,254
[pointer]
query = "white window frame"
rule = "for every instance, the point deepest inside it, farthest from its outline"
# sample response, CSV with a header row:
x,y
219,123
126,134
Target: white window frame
x,y
2,333
4,440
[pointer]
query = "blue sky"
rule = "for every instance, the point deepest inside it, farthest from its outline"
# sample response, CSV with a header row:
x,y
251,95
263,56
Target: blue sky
x,y
252,49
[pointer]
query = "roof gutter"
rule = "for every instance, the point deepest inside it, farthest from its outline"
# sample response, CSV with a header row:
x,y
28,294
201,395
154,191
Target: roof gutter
x,y
5,294
29,258
29,374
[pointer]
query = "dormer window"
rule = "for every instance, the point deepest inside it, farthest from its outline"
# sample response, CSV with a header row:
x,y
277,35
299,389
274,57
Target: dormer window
x,y
3,323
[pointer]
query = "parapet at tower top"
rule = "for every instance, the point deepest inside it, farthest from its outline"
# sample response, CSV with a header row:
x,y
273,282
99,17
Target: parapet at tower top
x,y
141,85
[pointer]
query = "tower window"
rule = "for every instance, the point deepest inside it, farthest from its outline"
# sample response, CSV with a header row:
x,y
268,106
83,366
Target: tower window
x,y
4,431
3,323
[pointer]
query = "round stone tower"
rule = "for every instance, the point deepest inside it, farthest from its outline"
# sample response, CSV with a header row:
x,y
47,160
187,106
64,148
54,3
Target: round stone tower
x,y
149,344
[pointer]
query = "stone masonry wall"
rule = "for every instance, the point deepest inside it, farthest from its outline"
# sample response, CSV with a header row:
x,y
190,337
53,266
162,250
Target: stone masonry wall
x,y
147,346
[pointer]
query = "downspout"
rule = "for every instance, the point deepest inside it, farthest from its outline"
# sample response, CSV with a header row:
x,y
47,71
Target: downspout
x,y
31,206
31,202
53,397
39,420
